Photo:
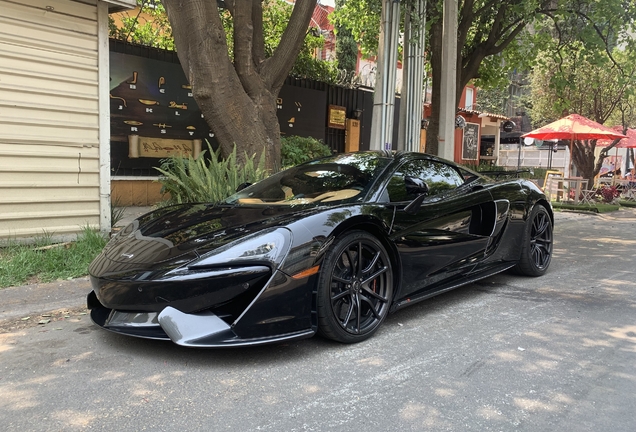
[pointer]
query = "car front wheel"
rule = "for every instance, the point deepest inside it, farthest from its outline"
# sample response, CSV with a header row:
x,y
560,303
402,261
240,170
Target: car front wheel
x,y
355,288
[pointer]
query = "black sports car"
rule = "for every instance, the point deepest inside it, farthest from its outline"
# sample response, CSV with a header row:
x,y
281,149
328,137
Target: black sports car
x,y
330,246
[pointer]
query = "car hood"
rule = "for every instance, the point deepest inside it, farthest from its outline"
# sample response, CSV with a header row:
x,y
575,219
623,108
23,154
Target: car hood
x,y
190,230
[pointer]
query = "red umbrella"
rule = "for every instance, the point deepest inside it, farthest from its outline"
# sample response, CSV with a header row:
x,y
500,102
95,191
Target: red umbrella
x,y
630,142
574,127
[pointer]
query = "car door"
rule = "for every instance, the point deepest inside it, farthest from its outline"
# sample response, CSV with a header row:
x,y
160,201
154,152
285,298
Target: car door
x,y
448,234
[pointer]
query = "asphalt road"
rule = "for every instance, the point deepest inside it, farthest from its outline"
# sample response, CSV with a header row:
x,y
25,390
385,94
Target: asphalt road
x,y
506,354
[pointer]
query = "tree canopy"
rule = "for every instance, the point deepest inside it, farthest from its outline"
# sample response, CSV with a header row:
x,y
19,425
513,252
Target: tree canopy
x,y
597,85
497,37
238,56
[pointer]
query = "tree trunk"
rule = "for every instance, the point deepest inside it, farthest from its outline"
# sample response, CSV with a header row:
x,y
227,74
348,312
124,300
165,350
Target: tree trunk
x,y
237,96
581,152
585,161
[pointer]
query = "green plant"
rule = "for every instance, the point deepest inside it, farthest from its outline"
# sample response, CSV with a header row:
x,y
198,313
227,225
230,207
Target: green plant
x,y
116,212
296,150
528,172
207,179
609,193
594,208
45,261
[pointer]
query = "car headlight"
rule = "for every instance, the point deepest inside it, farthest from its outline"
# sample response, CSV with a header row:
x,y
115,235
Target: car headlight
x,y
266,247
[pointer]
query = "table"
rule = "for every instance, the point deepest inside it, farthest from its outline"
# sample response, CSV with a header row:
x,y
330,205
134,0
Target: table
x,y
562,191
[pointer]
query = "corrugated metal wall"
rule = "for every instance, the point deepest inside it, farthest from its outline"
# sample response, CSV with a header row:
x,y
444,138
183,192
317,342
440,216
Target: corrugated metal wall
x,y
49,161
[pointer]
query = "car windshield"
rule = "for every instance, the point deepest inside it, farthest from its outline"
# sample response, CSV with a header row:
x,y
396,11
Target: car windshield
x,y
340,178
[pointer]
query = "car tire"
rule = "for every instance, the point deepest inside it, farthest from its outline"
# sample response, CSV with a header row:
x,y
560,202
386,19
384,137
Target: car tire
x,y
355,288
536,249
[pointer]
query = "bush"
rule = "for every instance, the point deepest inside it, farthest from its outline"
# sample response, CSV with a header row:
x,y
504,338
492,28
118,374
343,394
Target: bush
x,y
204,179
296,150
609,193
534,173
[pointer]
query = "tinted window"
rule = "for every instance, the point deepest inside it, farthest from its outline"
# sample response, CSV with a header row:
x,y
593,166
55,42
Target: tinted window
x,y
422,176
328,180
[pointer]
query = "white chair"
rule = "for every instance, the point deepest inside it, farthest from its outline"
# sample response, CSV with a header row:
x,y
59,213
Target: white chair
x,y
588,196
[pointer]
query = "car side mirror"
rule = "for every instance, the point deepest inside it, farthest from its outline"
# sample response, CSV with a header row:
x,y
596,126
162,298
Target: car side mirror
x,y
415,205
243,186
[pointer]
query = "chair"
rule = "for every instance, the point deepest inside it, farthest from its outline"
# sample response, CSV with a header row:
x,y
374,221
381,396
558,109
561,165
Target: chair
x,y
555,189
629,194
588,196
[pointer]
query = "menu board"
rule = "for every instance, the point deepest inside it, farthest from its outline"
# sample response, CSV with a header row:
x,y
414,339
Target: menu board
x,y
470,141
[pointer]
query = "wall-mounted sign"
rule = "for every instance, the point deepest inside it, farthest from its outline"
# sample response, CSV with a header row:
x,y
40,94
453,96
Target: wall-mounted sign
x,y
460,122
162,147
337,118
470,142
508,126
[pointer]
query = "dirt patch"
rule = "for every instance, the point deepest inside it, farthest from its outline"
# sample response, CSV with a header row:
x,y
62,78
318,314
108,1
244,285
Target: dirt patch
x,y
46,319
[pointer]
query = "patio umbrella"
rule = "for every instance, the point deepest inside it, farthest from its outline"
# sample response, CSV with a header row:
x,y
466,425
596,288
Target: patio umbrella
x,y
630,142
574,127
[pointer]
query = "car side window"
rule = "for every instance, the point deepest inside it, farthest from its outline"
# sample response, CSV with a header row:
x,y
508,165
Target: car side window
x,y
422,177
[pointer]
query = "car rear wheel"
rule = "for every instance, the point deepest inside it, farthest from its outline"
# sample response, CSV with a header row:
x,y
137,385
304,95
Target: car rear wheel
x,y
536,250
355,288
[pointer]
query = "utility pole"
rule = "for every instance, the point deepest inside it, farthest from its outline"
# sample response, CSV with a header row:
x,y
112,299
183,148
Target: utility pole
x,y
448,109
384,96
412,77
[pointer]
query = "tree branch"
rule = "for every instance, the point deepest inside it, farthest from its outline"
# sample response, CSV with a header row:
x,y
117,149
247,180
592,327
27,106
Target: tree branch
x,y
243,59
599,32
258,40
197,29
276,68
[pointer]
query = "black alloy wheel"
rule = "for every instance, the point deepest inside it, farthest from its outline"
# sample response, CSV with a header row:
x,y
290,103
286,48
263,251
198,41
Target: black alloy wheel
x,y
536,250
355,288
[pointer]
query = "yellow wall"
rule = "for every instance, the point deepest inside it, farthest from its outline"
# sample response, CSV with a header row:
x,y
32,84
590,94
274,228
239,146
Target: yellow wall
x,y
135,192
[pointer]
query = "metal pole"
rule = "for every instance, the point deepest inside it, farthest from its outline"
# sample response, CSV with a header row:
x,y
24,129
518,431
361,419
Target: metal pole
x,y
413,73
384,96
448,109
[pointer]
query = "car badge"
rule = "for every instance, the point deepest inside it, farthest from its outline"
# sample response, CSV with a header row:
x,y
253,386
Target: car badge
x,y
127,255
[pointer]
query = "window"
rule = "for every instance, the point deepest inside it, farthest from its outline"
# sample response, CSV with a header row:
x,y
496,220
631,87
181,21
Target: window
x,y
422,177
469,99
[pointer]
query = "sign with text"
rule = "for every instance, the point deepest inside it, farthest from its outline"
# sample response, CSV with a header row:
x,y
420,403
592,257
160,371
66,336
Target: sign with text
x,y
470,142
337,117
161,147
